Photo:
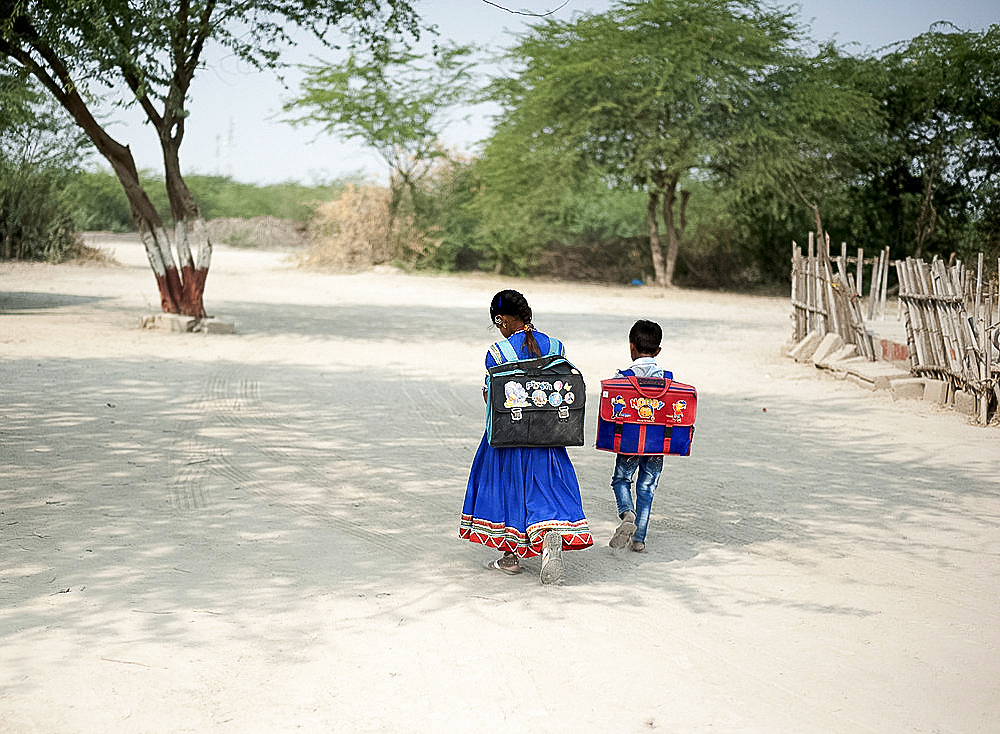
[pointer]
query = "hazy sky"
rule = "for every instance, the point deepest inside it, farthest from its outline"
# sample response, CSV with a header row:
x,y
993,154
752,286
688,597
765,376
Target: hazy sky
x,y
234,127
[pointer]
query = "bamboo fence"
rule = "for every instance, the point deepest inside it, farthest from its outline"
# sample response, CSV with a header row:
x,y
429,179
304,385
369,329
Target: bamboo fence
x,y
953,327
825,302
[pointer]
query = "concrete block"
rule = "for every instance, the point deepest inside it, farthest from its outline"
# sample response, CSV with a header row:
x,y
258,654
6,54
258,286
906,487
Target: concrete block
x,y
186,324
907,388
829,344
844,353
965,403
936,391
168,321
879,374
805,348
859,381
213,325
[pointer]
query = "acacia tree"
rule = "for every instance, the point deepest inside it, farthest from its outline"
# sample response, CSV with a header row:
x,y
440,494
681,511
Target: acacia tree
x,y
646,91
811,132
396,103
83,50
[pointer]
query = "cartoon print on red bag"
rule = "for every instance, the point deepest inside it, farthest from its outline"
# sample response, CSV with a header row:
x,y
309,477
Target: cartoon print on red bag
x,y
646,407
617,406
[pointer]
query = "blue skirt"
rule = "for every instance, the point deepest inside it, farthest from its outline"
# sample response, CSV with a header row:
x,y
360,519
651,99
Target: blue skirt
x,y
516,495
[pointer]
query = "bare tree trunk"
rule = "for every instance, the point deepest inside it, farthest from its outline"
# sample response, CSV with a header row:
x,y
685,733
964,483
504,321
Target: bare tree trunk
x,y
670,225
927,219
814,208
654,237
819,223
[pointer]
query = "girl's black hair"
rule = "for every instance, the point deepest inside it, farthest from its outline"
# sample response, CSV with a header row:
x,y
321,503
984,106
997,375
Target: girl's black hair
x,y
645,337
512,303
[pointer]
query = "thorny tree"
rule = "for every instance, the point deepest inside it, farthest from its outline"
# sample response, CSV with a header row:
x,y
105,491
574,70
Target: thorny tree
x,y
87,51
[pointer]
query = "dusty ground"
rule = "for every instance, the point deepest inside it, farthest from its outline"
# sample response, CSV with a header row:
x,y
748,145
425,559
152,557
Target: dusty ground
x,y
259,532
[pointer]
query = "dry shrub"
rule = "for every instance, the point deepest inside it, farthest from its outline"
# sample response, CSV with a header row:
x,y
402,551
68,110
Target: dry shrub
x,y
623,260
83,254
266,233
354,232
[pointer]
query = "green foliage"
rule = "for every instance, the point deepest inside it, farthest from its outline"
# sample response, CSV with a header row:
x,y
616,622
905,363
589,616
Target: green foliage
x,y
920,181
220,197
98,202
493,217
768,140
657,97
394,101
934,188
36,159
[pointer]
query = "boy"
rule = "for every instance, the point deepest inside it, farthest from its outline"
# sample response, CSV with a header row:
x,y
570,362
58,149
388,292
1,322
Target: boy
x,y
644,344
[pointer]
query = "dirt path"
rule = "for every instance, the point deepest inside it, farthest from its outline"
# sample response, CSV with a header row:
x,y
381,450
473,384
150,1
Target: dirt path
x,y
259,532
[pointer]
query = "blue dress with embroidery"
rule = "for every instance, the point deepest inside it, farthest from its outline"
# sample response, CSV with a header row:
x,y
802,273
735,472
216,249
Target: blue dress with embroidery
x,y
516,495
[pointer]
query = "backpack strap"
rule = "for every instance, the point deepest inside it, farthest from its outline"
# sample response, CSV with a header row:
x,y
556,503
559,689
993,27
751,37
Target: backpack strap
x,y
555,348
507,351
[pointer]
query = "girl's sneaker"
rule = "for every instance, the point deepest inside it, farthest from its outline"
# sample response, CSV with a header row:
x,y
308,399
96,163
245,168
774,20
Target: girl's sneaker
x,y
552,564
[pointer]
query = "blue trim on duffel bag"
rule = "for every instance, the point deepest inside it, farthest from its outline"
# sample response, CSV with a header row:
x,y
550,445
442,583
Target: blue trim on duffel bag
x,y
680,440
654,439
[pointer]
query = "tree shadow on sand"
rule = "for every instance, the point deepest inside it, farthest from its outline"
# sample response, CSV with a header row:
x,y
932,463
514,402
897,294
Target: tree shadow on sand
x,y
169,492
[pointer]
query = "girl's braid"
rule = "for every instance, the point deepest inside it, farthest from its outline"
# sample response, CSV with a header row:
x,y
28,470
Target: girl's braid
x,y
524,313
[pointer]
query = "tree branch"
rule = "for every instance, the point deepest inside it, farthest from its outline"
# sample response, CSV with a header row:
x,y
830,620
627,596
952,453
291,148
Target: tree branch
x,y
521,12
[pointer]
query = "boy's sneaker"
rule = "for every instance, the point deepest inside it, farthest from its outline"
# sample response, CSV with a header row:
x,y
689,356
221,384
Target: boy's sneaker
x,y
623,535
638,546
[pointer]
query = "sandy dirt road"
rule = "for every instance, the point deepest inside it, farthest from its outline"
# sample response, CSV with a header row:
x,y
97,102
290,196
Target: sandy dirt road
x,y
259,532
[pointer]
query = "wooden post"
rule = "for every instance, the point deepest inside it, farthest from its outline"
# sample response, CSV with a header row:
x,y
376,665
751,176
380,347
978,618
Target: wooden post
x,y
873,291
833,325
859,284
978,300
885,282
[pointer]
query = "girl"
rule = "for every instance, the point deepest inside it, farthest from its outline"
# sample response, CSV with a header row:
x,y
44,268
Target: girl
x,y
523,501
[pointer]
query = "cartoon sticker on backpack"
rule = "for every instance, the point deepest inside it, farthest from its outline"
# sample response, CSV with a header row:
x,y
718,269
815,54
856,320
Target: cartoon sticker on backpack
x,y
516,395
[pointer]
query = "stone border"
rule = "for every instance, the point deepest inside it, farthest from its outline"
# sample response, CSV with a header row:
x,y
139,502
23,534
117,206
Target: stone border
x,y
186,324
828,352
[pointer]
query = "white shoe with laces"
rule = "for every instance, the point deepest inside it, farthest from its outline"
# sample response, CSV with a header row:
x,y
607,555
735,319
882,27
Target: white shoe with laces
x,y
552,564
623,535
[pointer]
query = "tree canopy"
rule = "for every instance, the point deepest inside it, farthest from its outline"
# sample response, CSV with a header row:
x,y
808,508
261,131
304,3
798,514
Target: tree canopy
x,y
655,95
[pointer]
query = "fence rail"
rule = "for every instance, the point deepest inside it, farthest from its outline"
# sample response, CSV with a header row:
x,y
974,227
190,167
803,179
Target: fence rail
x,y
953,326
825,301
951,312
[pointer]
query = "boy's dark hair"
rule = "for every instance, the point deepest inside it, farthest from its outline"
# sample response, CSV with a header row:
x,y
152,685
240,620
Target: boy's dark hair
x,y
645,336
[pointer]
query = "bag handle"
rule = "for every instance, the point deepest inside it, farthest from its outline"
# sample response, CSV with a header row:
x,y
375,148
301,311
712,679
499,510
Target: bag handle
x,y
650,392
530,366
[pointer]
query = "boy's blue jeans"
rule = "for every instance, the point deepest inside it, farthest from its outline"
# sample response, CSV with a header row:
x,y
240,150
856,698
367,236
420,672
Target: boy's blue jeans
x,y
621,482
